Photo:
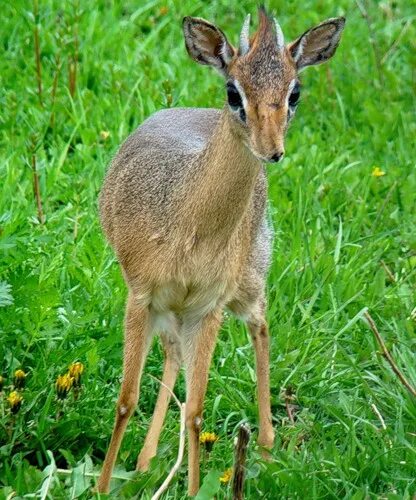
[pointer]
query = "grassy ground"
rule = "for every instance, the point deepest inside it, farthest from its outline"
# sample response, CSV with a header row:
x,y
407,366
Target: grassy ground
x,y
345,240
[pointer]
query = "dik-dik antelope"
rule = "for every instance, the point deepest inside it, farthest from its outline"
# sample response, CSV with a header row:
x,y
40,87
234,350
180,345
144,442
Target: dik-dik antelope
x,y
184,207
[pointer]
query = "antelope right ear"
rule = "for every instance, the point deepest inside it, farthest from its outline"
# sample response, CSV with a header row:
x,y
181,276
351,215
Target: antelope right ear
x,y
207,44
318,44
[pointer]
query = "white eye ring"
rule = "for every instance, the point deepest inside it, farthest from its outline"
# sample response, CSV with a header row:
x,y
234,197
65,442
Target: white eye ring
x,y
242,94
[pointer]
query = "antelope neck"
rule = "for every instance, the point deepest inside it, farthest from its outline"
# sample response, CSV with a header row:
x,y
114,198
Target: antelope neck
x,y
224,185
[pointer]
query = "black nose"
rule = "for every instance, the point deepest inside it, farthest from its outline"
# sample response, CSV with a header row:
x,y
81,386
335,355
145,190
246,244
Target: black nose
x,y
277,157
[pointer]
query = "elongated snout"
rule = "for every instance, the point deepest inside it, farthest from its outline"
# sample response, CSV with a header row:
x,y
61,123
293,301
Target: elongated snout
x,y
267,132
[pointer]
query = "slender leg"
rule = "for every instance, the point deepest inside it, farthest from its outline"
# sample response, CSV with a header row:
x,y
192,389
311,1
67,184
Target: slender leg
x,y
200,343
170,372
135,348
260,336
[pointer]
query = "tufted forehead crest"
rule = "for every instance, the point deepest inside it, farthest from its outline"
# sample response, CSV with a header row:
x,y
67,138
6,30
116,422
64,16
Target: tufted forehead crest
x,y
269,34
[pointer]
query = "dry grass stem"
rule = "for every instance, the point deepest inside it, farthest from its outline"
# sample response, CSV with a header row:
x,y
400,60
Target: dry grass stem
x,y
390,275
179,459
240,462
36,190
289,411
379,416
37,51
289,397
54,88
387,354
396,42
73,65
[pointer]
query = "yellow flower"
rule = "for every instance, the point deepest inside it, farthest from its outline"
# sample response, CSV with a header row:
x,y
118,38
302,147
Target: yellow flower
x,y
63,385
75,370
377,172
104,134
208,439
163,10
15,401
19,379
225,478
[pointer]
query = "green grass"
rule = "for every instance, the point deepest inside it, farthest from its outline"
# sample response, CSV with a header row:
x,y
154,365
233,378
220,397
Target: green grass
x,y
336,224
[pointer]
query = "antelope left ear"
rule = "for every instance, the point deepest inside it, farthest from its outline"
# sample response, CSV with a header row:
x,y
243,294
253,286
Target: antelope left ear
x,y
318,44
207,44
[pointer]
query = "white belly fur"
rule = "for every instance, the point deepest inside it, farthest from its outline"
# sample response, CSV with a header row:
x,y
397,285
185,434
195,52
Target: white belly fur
x,y
191,302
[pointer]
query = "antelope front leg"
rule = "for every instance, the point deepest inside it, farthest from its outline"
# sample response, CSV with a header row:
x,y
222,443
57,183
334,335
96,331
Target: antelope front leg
x,y
260,337
135,348
170,372
200,343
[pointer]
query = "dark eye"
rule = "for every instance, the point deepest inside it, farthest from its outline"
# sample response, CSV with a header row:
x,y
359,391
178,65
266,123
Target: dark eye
x,y
235,101
234,97
294,96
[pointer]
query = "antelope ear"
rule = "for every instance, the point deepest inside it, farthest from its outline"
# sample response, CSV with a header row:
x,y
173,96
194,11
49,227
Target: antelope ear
x,y
318,44
207,44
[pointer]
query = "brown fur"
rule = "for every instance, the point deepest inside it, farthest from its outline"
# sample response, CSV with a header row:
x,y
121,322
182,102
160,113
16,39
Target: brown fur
x,y
184,207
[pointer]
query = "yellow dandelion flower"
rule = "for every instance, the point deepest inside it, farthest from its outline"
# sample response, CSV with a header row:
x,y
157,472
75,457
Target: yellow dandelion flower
x,y
377,172
104,134
208,439
19,379
1,383
63,385
75,370
15,401
227,475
